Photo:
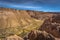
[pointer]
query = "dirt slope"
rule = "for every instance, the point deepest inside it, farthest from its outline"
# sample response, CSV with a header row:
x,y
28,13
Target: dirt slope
x,y
17,22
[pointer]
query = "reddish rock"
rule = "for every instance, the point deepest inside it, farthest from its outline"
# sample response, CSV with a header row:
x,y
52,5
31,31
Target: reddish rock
x,y
51,27
40,35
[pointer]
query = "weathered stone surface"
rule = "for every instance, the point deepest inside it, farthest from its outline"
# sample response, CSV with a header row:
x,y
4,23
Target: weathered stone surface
x,y
52,27
40,35
14,37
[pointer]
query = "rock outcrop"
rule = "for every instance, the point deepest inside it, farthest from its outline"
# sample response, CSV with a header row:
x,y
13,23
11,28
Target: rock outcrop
x,y
52,26
40,35
14,37
16,22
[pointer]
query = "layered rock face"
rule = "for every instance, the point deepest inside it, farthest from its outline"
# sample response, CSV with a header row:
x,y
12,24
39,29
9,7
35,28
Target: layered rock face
x,y
16,22
13,37
52,26
21,22
12,21
13,18
40,15
40,35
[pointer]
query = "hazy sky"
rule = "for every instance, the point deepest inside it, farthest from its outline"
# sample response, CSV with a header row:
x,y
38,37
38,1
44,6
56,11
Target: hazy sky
x,y
38,5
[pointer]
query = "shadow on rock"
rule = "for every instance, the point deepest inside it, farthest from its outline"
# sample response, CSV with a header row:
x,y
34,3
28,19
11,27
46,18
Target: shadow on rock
x,y
40,35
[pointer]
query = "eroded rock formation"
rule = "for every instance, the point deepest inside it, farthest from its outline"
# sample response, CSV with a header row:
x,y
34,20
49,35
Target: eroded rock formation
x,y
40,35
52,26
